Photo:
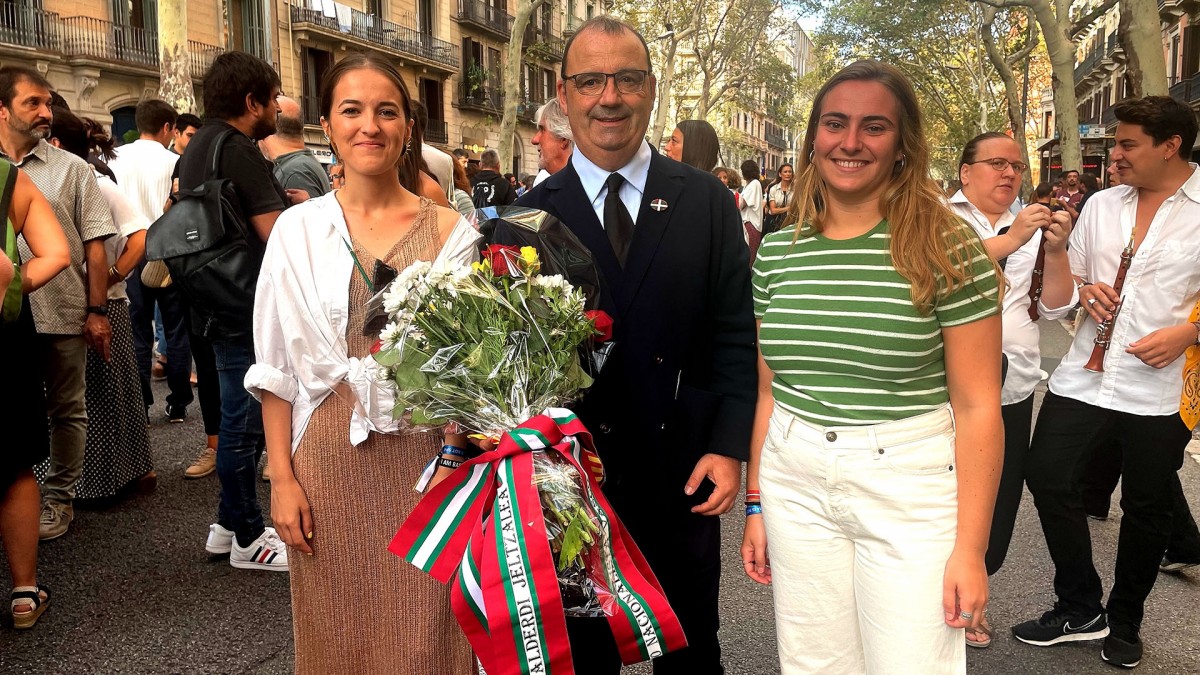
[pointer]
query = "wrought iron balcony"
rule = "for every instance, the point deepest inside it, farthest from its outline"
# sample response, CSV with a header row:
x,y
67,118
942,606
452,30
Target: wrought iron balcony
x,y
483,96
544,43
83,36
776,138
202,57
436,132
485,16
29,27
310,110
377,32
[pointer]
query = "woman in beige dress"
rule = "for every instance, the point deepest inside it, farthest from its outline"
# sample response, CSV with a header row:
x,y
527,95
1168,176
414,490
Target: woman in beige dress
x,y
342,472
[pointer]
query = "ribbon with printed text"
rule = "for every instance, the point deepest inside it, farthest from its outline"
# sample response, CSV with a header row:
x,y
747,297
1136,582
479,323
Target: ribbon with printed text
x,y
482,531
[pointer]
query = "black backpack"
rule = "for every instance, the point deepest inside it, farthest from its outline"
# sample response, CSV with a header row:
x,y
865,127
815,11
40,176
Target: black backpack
x,y
214,258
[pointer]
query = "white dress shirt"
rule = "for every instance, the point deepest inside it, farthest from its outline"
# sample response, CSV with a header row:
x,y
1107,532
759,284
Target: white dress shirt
x,y
752,204
1161,287
1021,335
301,308
128,220
634,172
143,169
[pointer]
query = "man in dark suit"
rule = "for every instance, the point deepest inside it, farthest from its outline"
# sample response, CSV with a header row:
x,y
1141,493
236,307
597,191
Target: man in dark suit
x,y
672,408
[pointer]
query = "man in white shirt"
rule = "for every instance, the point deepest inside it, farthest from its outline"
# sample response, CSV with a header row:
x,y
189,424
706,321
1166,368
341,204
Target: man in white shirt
x,y
553,140
1134,397
143,169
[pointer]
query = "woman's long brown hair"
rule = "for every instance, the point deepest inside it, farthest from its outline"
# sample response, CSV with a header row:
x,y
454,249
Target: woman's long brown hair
x,y
930,246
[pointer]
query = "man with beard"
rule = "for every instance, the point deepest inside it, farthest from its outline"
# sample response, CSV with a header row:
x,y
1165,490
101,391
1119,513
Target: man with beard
x,y
240,94
1071,193
553,140
672,407
71,311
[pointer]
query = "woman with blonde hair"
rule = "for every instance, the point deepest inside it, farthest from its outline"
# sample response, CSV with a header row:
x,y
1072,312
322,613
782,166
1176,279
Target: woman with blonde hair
x,y
341,470
869,500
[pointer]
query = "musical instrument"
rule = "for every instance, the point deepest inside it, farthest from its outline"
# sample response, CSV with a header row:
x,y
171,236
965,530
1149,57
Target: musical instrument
x,y
1104,330
1035,280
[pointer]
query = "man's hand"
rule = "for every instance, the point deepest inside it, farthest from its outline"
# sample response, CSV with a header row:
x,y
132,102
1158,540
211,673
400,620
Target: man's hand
x,y
725,473
297,196
97,332
1057,232
1160,348
1105,298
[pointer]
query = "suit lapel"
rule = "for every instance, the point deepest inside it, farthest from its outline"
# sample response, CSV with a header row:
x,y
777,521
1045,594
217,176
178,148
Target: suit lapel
x,y
665,183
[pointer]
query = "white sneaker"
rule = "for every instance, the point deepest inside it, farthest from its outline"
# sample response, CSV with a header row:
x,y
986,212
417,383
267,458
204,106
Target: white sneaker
x,y
220,540
268,552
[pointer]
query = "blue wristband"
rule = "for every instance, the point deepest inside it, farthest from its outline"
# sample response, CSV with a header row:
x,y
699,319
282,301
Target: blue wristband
x,y
453,451
753,510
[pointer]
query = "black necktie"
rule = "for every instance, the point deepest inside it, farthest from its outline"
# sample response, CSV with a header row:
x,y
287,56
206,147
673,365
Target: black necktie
x,y
617,222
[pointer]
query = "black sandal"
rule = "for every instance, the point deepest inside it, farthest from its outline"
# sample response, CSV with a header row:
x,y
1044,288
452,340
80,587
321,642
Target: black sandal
x,y
25,595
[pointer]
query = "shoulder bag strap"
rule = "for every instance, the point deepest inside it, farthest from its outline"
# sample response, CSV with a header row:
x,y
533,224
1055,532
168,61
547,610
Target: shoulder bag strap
x,y
11,307
214,152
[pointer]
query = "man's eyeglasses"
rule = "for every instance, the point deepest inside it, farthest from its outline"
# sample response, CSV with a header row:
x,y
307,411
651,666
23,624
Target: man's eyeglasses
x,y
592,84
1000,164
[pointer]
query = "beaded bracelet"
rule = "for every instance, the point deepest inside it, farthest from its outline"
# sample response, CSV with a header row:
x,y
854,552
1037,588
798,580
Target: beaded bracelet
x,y
454,451
753,509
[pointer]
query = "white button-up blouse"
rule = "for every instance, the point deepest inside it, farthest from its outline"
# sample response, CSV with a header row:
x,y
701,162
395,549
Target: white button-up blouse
x,y
301,308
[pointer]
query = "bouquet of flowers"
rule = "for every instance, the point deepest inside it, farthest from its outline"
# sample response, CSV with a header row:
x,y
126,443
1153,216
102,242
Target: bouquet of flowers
x,y
522,533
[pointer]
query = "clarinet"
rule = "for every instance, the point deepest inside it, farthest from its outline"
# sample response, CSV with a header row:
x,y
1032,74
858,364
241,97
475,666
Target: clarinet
x,y
1104,330
1036,279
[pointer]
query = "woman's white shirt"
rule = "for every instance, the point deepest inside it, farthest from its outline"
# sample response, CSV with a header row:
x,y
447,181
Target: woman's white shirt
x,y
1021,335
752,204
128,220
301,309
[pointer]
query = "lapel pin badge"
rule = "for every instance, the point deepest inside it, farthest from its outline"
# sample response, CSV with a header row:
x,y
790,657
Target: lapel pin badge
x,y
658,205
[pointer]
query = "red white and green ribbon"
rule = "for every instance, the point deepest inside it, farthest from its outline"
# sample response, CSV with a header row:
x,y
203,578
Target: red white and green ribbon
x,y
482,531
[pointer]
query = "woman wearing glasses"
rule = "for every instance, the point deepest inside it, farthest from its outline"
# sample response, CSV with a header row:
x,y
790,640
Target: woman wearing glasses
x,y
1031,247
877,312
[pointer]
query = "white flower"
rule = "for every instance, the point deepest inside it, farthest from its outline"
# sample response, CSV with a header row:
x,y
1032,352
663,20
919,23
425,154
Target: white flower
x,y
394,298
391,334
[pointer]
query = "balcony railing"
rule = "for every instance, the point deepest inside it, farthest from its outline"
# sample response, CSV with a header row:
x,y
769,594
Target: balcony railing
x,y
483,96
29,27
1187,90
1086,66
382,33
435,132
776,138
485,16
310,110
544,42
85,36
202,57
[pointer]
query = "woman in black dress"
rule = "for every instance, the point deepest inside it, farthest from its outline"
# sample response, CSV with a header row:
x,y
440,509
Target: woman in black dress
x,y
22,397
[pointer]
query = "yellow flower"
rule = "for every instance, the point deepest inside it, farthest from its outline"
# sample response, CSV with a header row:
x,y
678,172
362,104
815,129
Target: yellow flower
x,y
530,254
476,267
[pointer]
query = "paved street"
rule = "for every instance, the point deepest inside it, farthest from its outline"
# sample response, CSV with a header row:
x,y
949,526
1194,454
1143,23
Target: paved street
x,y
134,592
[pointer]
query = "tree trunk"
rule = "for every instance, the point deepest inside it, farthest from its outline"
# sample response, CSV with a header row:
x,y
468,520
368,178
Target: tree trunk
x,y
1062,64
175,87
665,80
511,80
1141,38
1015,119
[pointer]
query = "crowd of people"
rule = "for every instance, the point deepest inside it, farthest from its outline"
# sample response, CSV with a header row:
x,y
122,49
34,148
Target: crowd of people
x,y
865,344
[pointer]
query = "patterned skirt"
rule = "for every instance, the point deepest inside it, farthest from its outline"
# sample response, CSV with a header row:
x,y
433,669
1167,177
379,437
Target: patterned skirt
x,y
118,442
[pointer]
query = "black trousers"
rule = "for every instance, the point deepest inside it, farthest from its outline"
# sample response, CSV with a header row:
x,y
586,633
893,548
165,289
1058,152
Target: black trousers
x,y
1151,456
208,387
1018,418
684,551
1100,478
142,300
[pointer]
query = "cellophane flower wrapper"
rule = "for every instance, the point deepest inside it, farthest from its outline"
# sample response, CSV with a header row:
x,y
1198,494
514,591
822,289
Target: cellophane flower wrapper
x,y
488,347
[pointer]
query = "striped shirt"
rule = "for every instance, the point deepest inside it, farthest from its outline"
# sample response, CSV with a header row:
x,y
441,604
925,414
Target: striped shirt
x,y
841,334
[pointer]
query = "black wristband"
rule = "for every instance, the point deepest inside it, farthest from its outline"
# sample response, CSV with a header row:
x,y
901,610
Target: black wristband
x,y
102,310
448,463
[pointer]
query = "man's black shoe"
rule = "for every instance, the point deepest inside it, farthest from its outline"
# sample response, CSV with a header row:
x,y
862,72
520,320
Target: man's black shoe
x,y
176,413
1121,652
1058,625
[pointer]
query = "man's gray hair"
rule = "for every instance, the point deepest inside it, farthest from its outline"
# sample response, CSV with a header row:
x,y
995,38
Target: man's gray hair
x,y
490,158
552,117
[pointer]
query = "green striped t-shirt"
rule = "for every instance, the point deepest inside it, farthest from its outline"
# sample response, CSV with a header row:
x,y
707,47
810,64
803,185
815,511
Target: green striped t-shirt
x,y
840,332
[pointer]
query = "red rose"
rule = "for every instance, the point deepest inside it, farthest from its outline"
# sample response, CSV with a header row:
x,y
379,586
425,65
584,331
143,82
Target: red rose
x,y
602,322
377,346
499,256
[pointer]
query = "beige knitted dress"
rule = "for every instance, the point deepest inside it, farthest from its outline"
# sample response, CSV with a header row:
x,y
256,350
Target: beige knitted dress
x,y
356,607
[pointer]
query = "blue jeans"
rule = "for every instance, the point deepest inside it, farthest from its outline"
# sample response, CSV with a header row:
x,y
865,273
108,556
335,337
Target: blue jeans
x,y
240,442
